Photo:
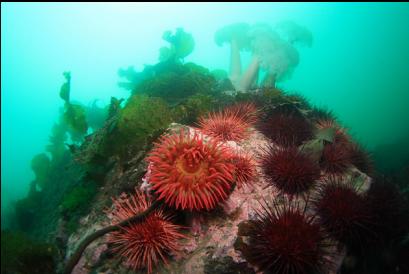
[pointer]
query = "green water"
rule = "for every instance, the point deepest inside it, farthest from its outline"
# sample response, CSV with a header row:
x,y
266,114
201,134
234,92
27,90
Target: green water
x,y
357,65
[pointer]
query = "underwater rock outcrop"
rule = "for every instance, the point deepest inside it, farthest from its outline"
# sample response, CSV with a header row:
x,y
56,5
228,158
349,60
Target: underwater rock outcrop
x,y
219,188
189,175
221,233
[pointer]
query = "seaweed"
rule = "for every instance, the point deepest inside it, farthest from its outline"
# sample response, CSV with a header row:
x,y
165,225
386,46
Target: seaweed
x,y
75,118
78,199
66,87
195,106
132,77
74,115
96,115
175,82
20,254
56,145
114,107
26,209
181,45
41,166
141,117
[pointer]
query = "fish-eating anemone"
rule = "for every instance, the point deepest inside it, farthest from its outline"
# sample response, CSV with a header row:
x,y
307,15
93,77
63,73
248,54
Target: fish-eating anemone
x,y
189,172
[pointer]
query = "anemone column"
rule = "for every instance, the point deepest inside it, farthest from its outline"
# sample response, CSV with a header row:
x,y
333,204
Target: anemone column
x,y
235,63
251,75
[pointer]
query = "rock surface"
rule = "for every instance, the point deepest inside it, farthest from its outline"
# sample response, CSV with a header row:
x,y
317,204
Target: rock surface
x,y
212,236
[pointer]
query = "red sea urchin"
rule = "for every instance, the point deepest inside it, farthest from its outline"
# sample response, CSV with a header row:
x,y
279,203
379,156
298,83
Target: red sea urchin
x,y
147,243
340,136
189,172
289,169
284,239
343,212
336,158
338,155
244,168
286,126
232,124
361,159
246,111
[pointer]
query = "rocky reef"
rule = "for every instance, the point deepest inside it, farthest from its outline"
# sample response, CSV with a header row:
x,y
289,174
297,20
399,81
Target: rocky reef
x,y
190,175
215,240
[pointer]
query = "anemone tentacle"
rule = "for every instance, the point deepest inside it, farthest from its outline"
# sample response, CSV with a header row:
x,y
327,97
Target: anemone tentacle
x,y
190,173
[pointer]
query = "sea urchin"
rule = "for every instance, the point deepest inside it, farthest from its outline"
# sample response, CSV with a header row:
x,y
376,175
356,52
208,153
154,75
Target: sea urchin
x,y
289,169
340,136
361,159
244,168
286,126
343,212
147,243
284,239
336,158
232,124
189,172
